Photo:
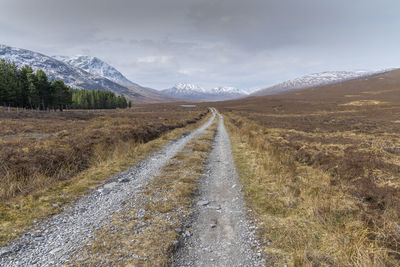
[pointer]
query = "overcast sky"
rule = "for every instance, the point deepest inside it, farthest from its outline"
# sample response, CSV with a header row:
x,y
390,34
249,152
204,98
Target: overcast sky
x,y
245,44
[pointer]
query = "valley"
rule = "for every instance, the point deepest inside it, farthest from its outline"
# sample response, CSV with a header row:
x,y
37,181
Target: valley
x,y
307,176
199,133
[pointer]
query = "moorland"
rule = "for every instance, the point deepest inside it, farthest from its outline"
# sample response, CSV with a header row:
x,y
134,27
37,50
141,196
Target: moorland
x,y
48,158
320,168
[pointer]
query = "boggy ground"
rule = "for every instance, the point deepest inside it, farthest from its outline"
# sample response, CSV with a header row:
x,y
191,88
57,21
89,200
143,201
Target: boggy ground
x,y
321,169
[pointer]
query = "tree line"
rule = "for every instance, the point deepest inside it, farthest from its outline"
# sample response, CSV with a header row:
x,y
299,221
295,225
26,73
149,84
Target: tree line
x,y
22,87
97,99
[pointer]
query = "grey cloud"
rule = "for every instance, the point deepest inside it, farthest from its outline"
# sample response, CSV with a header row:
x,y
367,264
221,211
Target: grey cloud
x,y
272,24
210,42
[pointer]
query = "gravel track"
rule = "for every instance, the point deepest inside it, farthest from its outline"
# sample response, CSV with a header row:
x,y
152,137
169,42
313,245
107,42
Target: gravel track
x,y
53,241
221,235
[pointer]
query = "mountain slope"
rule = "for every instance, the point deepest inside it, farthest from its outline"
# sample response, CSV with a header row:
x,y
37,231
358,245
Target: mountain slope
x,y
98,67
197,93
59,70
314,80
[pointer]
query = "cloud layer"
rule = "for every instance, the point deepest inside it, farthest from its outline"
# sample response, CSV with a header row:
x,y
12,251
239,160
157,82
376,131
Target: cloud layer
x,y
246,44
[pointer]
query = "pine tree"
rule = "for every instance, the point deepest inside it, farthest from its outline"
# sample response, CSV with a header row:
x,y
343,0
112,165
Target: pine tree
x,y
3,87
11,83
23,93
62,95
44,89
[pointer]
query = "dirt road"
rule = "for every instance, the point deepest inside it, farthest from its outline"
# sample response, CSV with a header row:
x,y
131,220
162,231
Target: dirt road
x,y
221,234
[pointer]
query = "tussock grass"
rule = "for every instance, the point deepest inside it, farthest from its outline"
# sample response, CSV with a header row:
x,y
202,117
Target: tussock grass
x,y
49,194
316,211
143,234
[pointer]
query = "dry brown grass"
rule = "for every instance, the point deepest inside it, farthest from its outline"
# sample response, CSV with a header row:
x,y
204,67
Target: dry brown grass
x,y
39,149
144,233
322,200
120,144
364,103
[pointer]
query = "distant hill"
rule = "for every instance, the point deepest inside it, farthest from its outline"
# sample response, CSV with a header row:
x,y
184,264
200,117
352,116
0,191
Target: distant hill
x,y
367,92
314,80
197,93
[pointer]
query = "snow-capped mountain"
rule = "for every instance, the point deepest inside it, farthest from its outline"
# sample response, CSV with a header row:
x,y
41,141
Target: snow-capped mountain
x,y
72,76
194,92
186,90
96,66
314,80
228,90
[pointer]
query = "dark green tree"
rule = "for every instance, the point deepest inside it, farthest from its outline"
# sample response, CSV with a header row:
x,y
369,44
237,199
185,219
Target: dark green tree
x,y
62,95
23,91
45,90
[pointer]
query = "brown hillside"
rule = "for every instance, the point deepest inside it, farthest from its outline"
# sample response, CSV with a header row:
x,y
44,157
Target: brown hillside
x,y
383,87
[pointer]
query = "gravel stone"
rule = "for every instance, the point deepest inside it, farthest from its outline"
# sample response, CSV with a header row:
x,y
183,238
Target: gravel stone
x,y
123,180
110,186
104,191
203,203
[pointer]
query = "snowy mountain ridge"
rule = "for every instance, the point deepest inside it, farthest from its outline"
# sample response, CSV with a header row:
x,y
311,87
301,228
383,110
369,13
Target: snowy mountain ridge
x,y
228,89
195,92
188,87
316,79
96,66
